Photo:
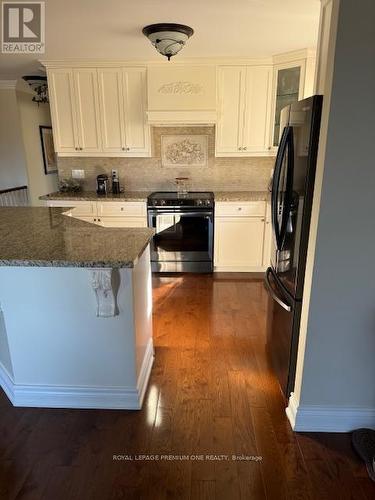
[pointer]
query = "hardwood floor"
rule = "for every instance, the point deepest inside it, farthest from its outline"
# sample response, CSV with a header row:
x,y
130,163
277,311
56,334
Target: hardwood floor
x,y
211,393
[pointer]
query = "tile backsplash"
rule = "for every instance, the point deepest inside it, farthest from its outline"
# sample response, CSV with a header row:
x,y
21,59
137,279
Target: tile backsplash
x,y
148,174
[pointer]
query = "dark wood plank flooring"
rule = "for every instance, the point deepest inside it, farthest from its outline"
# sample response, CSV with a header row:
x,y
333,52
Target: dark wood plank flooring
x,y
211,393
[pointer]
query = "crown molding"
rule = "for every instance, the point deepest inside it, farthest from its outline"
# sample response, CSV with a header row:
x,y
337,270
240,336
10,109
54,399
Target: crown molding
x,y
8,84
295,55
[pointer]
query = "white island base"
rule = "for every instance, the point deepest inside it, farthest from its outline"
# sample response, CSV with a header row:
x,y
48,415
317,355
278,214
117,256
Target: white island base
x,y
55,351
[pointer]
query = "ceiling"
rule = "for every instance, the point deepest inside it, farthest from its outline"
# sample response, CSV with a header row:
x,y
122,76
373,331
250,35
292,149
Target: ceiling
x,y
112,29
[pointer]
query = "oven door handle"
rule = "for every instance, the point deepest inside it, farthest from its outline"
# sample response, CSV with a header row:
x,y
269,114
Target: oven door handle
x,y
189,214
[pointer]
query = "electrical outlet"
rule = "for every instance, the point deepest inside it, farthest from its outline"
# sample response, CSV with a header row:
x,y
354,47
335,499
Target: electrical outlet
x,y
78,174
114,172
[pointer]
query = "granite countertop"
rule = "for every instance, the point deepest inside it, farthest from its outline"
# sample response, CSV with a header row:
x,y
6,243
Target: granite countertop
x,y
242,195
93,196
45,237
142,196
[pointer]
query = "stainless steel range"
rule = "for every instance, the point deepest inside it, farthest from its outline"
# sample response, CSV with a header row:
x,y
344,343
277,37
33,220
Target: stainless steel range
x,y
183,224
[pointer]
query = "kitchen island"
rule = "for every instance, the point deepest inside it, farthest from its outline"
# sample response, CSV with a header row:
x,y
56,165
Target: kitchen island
x,y
75,311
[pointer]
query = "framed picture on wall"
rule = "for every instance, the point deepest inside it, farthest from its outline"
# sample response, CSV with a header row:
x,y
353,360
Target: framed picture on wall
x,y
49,155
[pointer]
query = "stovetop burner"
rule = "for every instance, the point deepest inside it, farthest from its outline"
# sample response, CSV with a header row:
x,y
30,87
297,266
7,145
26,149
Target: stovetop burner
x,y
173,198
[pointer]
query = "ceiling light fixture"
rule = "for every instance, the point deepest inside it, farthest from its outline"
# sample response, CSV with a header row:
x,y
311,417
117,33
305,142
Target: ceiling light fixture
x,y
39,86
168,38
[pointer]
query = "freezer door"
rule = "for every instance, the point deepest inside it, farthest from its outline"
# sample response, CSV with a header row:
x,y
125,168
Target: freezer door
x,y
282,333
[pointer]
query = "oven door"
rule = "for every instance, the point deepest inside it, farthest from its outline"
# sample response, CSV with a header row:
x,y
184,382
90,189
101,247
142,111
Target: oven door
x,y
181,236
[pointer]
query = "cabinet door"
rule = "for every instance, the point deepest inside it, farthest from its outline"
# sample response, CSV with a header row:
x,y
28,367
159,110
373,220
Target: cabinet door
x,y
111,109
239,242
62,103
87,105
231,88
257,109
137,133
288,83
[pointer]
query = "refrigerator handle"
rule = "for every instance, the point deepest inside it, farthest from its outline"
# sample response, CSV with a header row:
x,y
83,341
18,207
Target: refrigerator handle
x,y
286,144
275,186
272,292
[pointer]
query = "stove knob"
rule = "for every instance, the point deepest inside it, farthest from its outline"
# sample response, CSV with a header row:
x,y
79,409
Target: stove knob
x,y
162,202
208,203
199,203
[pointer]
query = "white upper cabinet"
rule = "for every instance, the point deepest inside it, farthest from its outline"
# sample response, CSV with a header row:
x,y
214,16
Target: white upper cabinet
x,y
87,109
231,100
137,132
292,81
75,110
122,108
61,92
244,98
111,109
98,111
257,109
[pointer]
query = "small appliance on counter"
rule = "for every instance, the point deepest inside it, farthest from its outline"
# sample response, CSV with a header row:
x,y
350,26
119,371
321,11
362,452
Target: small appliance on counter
x,y
102,184
115,184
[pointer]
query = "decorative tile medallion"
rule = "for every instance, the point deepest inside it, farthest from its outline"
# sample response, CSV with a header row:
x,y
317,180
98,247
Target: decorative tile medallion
x,y
184,150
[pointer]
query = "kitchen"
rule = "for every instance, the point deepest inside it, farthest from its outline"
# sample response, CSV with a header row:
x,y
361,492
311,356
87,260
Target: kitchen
x,y
207,154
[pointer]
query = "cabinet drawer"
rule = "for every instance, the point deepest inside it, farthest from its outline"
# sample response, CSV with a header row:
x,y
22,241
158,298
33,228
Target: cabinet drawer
x,y
123,221
84,208
121,209
240,209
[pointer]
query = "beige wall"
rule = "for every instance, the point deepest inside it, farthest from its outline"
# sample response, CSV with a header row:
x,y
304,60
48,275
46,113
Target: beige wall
x,y
12,155
32,116
233,174
336,369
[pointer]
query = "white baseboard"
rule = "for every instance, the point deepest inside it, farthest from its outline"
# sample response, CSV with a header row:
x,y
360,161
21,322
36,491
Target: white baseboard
x,y
145,372
328,418
51,396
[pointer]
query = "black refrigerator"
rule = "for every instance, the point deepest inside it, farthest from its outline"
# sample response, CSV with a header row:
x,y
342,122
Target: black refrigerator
x,y
291,201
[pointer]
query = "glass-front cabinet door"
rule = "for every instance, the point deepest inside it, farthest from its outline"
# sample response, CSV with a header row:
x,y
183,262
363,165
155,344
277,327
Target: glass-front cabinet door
x,y
288,84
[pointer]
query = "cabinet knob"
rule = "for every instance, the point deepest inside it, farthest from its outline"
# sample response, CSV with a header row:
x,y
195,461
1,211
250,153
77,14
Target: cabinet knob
x,y
262,220
127,149
123,148
240,149
239,208
245,148
76,148
122,209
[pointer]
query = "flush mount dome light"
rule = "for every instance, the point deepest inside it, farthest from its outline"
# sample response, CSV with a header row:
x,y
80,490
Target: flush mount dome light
x,y
168,38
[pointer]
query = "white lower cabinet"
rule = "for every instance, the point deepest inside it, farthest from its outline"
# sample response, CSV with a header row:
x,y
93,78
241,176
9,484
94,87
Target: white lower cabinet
x,y
240,239
106,213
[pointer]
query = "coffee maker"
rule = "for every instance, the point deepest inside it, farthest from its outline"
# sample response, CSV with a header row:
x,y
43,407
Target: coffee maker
x,y
102,184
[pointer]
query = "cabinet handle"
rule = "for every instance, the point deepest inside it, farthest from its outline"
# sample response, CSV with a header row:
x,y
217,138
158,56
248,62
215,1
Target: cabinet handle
x,y
94,220
127,149
262,220
269,148
122,209
80,149
123,148
239,208
76,148
245,148
239,149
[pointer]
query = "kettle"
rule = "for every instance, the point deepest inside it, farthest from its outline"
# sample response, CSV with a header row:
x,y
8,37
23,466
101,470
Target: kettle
x,y
102,184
